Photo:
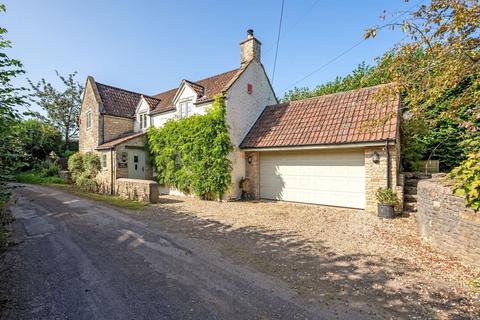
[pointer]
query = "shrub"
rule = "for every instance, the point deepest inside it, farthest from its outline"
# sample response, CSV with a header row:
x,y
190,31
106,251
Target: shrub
x,y
387,196
68,153
91,164
75,165
466,180
52,170
86,183
192,153
83,170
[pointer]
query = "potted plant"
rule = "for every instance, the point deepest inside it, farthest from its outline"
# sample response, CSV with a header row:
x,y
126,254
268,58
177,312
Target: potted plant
x,y
387,200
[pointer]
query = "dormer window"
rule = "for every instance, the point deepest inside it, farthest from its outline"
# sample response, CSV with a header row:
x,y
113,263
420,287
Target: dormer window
x,y
185,108
142,119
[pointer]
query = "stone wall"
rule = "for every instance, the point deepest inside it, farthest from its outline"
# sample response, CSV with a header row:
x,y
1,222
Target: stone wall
x,y
135,189
252,172
89,138
104,177
115,127
376,175
444,221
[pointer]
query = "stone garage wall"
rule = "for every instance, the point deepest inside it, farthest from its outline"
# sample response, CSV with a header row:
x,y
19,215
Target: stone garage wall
x,y
136,189
444,221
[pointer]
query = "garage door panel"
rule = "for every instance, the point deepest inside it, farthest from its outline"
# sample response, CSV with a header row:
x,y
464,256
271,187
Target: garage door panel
x,y
322,177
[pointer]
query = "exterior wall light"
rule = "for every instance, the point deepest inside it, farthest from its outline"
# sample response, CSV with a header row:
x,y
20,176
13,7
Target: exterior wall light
x,y
249,159
375,157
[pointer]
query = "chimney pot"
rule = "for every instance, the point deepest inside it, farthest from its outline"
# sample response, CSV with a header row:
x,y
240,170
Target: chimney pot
x,y
249,49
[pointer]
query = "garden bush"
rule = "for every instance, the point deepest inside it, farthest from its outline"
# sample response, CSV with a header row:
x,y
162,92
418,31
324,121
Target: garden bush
x,y
466,180
191,154
83,170
52,170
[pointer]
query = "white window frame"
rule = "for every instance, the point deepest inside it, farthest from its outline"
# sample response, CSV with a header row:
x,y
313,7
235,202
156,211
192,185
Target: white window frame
x,y
104,161
142,119
183,107
88,120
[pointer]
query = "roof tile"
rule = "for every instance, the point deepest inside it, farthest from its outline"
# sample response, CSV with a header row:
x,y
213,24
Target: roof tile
x,y
345,117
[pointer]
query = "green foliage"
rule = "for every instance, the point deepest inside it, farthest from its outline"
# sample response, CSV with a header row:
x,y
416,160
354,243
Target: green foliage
x,y
192,153
83,170
413,145
52,170
5,217
37,178
62,106
75,165
387,196
68,153
363,76
36,139
466,180
10,98
438,73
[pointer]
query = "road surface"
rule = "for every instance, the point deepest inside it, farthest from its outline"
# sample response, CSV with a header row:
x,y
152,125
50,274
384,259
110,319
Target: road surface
x,y
80,259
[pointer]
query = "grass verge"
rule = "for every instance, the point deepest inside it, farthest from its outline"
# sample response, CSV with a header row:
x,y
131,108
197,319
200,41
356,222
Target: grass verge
x,y
112,200
31,177
5,217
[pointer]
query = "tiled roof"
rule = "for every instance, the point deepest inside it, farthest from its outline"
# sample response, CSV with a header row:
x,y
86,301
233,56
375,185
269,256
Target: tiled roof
x,y
112,143
165,101
152,102
348,117
211,87
118,102
199,89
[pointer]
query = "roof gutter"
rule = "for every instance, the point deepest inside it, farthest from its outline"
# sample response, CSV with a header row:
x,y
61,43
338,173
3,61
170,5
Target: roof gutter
x,y
322,146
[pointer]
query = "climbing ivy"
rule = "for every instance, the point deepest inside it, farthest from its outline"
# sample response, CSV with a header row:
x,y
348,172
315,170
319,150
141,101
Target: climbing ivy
x,y
191,154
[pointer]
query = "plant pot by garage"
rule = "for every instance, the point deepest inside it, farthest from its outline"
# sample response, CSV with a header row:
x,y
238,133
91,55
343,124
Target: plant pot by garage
x,y
386,211
387,200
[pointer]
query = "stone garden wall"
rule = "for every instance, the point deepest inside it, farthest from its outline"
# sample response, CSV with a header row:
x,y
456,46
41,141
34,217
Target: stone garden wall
x,y
444,221
135,189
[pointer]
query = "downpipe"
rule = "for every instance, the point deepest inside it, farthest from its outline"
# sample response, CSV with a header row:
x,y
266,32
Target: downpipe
x,y
389,184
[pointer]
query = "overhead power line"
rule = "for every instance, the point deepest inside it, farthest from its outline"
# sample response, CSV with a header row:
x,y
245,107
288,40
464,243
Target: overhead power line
x,y
302,17
348,50
278,40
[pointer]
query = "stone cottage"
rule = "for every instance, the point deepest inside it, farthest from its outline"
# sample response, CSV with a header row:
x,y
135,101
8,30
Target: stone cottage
x,y
332,150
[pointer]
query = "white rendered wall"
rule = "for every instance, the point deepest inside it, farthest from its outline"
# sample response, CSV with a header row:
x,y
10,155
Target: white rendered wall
x,y
243,109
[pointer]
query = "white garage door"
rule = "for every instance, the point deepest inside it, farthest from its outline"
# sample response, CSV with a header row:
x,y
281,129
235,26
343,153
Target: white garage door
x,y
335,178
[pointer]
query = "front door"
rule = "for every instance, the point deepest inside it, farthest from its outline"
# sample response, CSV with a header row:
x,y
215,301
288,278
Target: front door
x,y
136,164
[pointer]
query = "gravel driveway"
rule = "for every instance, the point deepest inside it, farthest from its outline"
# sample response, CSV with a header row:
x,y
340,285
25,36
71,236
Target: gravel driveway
x,y
80,259
333,255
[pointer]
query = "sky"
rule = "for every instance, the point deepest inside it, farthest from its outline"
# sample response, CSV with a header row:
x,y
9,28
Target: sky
x,y
149,46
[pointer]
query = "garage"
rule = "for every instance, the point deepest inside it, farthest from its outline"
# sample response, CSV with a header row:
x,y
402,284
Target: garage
x,y
327,177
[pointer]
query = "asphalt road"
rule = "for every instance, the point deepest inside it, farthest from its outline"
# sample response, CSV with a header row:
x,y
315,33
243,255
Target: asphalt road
x,y
79,259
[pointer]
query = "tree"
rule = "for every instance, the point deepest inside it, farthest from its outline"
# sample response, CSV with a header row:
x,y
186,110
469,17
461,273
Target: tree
x,y
439,73
10,98
62,107
440,66
363,76
37,140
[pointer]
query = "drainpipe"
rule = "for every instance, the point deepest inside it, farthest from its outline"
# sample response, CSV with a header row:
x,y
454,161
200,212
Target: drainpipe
x,y
112,185
388,164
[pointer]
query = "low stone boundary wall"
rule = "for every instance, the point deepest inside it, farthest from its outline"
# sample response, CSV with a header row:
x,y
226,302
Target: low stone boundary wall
x,y
444,221
136,189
